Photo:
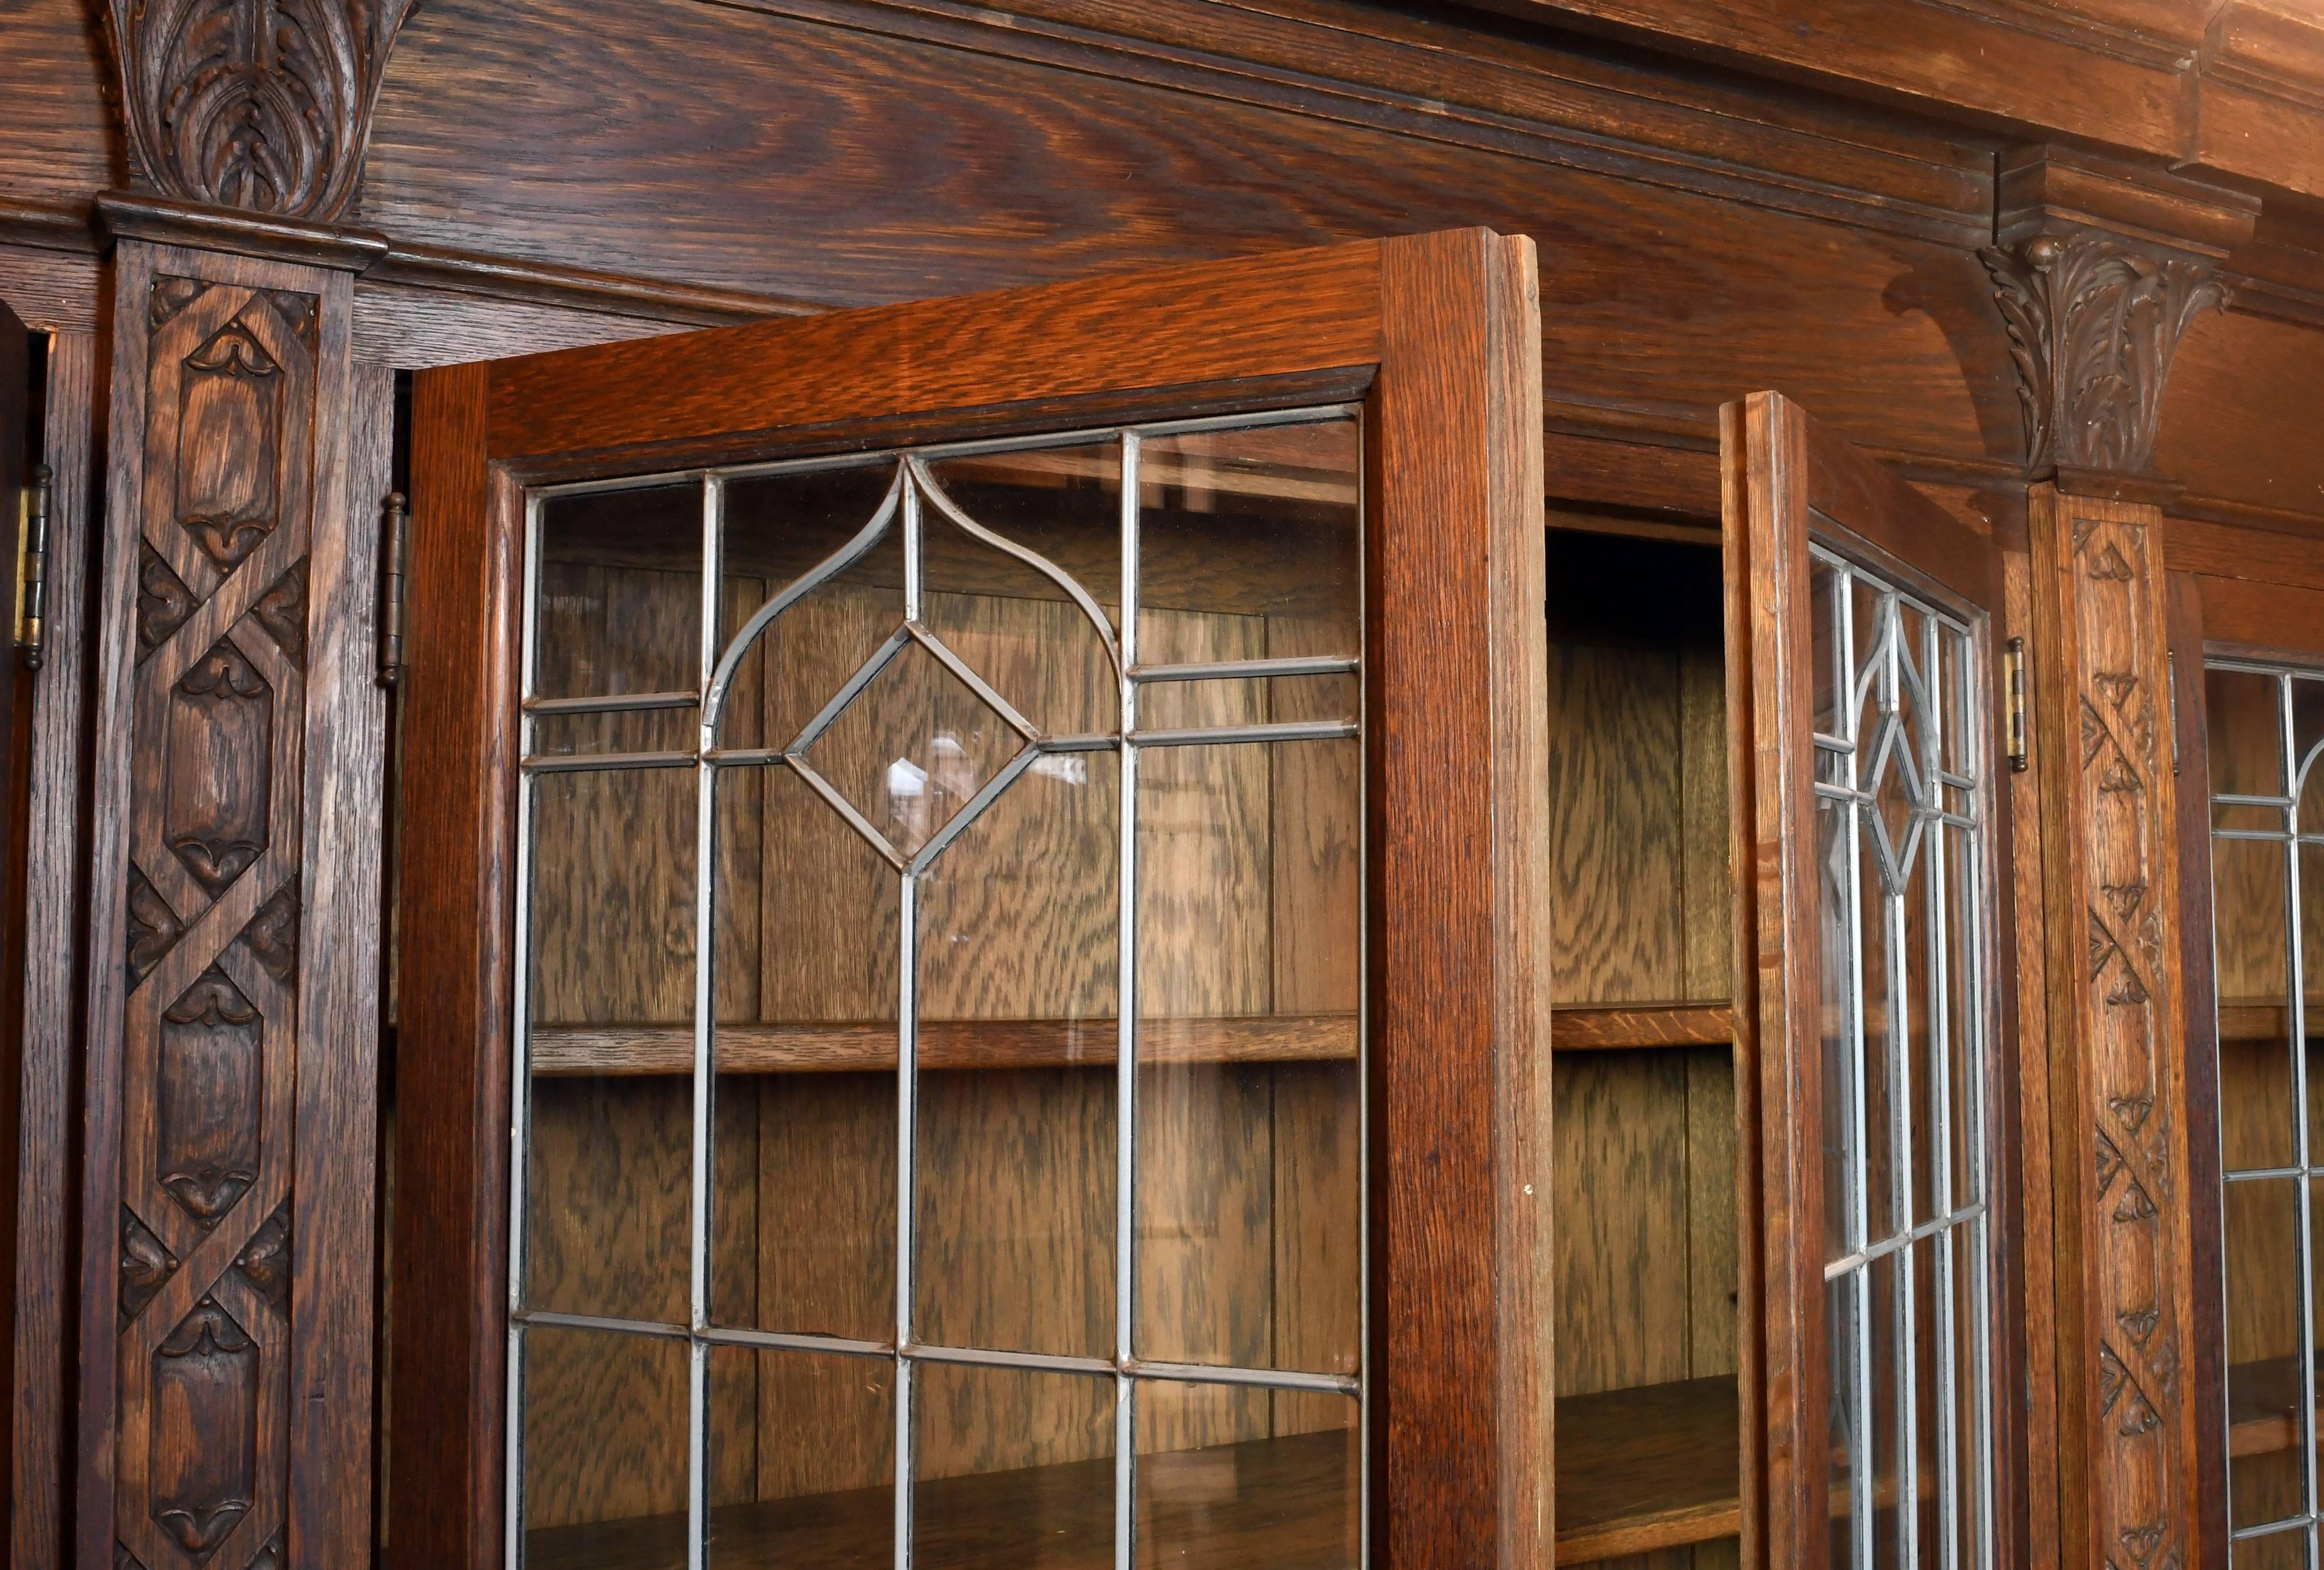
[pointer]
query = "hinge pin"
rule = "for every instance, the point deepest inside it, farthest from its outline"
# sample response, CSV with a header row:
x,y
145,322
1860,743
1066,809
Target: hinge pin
x,y
2013,664
394,558
32,568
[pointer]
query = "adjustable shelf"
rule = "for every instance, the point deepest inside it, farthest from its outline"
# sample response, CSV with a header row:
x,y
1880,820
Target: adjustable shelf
x,y
1638,1470
2263,1405
841,1046
2260,1020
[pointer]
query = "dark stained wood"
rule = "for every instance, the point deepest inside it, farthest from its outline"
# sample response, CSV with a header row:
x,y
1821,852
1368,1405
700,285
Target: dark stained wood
x,y
449,1250
228,980
1653,1466
2061,67
56,885
21,1156
1459,1359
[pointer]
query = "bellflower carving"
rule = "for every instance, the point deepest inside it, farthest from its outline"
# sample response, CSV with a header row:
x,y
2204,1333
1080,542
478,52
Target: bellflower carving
x,y
2094,321
262,104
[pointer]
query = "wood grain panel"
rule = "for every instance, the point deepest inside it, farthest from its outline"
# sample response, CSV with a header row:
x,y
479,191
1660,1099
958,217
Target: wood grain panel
x,y
1622,1260
1110,175
56,134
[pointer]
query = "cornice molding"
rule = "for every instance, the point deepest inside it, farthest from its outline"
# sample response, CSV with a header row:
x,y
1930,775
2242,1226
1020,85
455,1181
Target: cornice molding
x,y
162,221
262,106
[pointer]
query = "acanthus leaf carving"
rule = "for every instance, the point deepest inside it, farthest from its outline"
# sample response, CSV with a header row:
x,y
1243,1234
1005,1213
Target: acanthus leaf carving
x,y
262,104
2094,321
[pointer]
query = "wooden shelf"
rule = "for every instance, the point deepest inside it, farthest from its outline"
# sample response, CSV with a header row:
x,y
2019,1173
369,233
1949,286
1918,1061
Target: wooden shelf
x,y
1653,1468
1593,1027
845,1047
2250,1020
852,1045
1638,1470
2263,1406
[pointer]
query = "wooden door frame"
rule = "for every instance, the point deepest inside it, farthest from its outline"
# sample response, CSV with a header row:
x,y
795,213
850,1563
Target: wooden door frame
x,y
2266,619
1438,336
1780,469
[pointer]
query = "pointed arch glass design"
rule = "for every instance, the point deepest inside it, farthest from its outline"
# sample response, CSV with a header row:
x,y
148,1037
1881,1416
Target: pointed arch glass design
x,y
924,716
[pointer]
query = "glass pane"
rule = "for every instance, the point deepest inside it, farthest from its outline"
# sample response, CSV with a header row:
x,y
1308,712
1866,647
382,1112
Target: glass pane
x,y
1019,954
804,1203
2263,1290
604,1450
621,593
1184,704
610,1143
1063,503
1843,1225
1250,945
1014,1470
2311,984
2307,739
913,748
2243,711
802,1452
778,528
1288,1503
2284,1550
1850,1405
654,730
1251,526
1923,1353
2248,914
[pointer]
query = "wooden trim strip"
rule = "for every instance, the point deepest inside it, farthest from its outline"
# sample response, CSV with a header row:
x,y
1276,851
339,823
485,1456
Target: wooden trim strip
x,y
841,1046
1590,1027
1276,316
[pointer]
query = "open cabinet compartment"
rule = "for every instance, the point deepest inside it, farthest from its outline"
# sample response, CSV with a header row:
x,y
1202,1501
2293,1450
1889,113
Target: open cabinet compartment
x,y
1649,1457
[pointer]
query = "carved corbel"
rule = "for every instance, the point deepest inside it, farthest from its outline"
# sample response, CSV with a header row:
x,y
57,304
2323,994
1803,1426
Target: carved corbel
x,y
2099,268
264,105
2094,321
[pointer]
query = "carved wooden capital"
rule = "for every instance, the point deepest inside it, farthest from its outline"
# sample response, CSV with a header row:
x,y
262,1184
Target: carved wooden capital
x,y
260,104
2094,321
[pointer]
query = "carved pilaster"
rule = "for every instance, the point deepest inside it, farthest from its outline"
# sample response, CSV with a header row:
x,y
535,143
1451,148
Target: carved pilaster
x,y
264,105
232,1058
2118,1075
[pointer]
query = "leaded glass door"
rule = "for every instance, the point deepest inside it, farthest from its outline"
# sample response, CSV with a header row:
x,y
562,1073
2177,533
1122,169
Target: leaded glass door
x,y
1874,909
988,993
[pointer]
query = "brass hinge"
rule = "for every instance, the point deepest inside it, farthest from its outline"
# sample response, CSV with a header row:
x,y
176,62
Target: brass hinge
x,y
2013,664
2170,680
394,560
32,566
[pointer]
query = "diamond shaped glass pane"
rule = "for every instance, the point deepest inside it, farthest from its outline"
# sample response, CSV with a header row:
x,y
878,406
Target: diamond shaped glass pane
x,y
913,748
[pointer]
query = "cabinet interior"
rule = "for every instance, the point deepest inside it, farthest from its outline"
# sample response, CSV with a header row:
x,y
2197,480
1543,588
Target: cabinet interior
x,y
2268,923
1248,1149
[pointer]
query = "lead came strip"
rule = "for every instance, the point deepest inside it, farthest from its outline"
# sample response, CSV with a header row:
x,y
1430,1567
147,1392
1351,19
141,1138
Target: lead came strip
x,y
911,487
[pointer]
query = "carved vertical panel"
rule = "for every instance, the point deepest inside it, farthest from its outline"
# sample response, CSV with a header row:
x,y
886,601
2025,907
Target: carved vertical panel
x,y
227,724
210,893
2116,1018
